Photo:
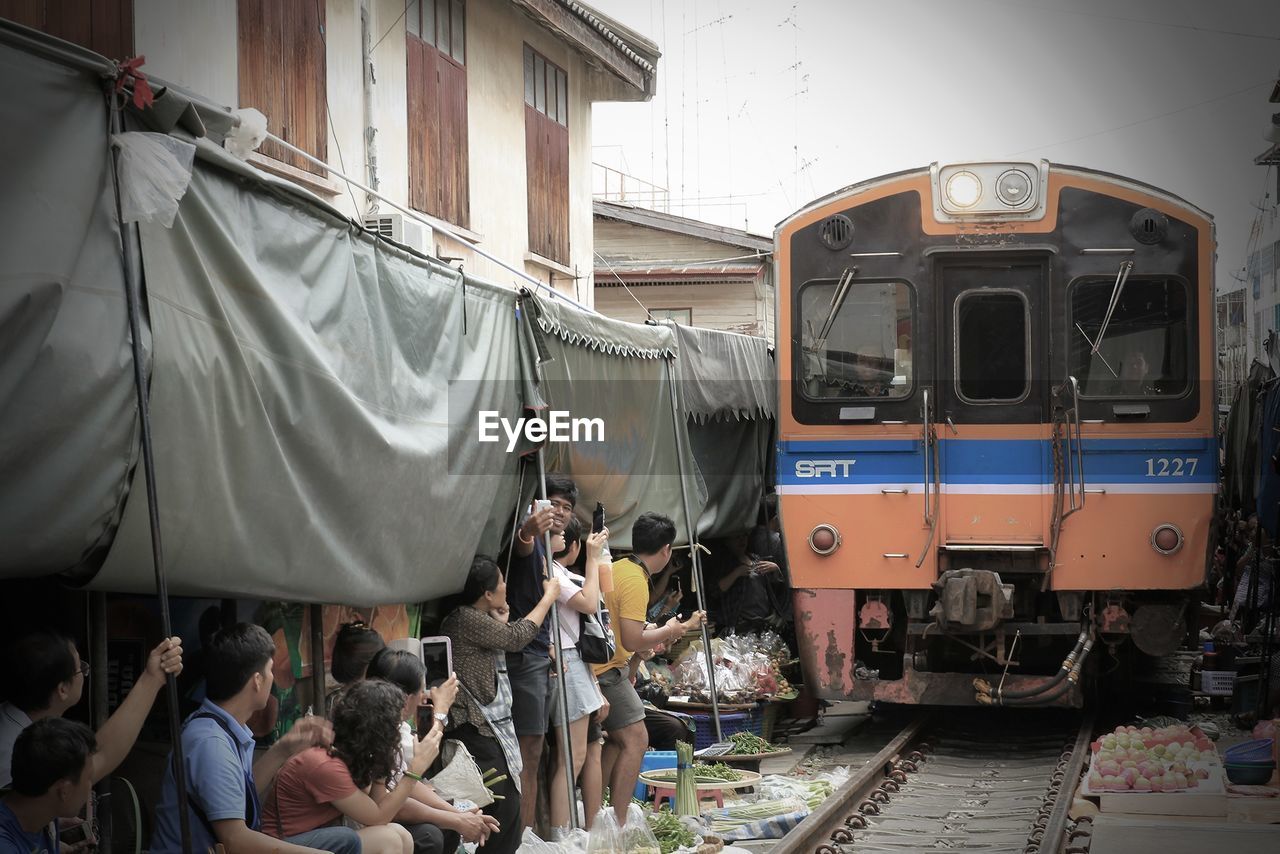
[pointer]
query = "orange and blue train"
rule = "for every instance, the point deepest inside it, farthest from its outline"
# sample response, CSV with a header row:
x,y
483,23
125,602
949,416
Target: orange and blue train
x,y
996,429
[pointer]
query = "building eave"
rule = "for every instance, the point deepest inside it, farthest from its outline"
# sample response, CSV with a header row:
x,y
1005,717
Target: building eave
x,y
681,225
602,42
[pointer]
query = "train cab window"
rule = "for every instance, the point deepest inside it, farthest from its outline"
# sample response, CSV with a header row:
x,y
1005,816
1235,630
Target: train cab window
x,y
856,340
1143,350
993,345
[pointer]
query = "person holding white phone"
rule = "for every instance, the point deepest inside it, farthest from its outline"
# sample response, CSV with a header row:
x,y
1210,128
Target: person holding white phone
x,y
578,682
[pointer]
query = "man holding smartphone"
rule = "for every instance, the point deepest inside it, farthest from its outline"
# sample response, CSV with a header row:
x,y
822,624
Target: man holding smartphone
x,y
530,670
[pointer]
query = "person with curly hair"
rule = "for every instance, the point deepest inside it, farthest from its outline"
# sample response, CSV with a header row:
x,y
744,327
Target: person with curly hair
x,y
432,821
319,786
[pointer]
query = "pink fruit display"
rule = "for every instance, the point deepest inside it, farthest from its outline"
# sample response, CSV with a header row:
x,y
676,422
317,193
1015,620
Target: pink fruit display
x,y
1164,759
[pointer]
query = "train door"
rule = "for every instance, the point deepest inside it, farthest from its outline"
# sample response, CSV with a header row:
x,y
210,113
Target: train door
x,y
991,392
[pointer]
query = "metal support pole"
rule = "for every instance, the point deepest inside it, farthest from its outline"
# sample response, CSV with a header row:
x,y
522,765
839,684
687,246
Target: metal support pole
x,y
133,291
695,558
317,659
98,699
562,694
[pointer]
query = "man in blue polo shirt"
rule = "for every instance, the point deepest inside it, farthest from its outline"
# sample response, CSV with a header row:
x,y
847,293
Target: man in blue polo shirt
x,y
224,783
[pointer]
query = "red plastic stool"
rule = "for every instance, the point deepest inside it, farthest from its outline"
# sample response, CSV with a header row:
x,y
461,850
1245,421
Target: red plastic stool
x,y
670,795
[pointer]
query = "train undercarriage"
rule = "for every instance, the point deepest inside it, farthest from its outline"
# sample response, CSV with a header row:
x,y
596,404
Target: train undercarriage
x,y
987,632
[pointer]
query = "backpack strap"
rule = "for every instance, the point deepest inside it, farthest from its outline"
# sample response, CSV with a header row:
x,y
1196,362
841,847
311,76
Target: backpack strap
x,y
252,807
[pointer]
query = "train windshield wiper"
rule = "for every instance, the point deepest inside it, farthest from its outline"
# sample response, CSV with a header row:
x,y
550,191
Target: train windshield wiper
x,y
837,302
1122,276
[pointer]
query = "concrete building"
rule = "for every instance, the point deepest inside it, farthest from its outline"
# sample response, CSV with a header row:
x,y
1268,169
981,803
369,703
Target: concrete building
x,y
655,264
476,113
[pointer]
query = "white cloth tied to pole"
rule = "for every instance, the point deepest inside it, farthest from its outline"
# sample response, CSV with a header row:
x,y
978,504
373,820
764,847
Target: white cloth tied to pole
x,y
155,170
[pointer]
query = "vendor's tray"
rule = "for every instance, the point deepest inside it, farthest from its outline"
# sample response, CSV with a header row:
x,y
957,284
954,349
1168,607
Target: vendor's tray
x,y
665,778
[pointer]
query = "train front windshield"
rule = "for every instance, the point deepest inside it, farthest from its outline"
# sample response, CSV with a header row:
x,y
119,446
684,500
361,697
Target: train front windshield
x,y
1144,348
856,344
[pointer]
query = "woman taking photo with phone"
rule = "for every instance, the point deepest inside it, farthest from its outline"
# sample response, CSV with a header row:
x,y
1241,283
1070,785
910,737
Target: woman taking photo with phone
x,y
432,821
482,720
318,786
574,675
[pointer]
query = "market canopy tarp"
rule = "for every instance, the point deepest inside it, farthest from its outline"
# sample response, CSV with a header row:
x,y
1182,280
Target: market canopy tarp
x,y
68,414
729,396
595,367
314,390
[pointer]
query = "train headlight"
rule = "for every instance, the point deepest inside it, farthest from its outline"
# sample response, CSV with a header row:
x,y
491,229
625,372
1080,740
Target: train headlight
x,y
1166,539
1013,188
964,189
824,539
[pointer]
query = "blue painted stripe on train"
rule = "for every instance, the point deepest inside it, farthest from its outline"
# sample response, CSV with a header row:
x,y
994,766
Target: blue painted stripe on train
x,y
997,461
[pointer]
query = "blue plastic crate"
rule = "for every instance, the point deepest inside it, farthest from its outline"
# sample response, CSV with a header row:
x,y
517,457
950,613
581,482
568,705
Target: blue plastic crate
x,y
653,760
704,734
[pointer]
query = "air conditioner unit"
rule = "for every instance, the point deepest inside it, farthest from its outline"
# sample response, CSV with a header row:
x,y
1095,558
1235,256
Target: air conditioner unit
x,y
403,230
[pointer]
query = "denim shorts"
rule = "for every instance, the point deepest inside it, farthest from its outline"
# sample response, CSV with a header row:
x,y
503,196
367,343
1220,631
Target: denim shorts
x,y
531,692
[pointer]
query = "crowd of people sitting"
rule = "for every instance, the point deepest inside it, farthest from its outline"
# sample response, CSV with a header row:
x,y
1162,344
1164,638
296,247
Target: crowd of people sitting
x,y
355,778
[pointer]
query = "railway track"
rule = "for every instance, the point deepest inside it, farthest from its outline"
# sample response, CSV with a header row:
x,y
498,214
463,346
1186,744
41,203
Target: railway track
x,y
971,780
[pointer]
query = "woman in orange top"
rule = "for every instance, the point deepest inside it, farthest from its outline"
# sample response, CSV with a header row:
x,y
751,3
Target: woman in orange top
x,y
318,786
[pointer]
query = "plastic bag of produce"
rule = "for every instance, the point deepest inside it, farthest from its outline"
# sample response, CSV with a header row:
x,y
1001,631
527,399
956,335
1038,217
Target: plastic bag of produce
x,y
531,844
636,837
605,836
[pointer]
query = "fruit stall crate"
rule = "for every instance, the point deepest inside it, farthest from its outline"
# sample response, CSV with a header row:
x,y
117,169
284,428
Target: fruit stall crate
x,y
1218,683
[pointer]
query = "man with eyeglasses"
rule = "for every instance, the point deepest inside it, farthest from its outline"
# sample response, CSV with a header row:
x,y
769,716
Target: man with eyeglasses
x,y
530,669
44,676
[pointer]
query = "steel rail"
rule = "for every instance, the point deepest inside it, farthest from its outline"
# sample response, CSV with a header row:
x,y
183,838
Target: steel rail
x,y
1054,837
817,827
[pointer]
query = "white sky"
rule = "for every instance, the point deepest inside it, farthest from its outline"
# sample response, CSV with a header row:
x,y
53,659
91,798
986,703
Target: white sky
x,y
763,106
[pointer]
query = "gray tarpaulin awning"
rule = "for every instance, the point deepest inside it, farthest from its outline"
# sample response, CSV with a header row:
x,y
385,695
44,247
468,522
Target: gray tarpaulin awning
x,y
729,394
313,390
302,408
68,415
597,367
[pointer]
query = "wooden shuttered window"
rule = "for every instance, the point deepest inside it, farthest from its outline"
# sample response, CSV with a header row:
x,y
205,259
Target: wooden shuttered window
x,y
103,26
439,180
282,73
546,133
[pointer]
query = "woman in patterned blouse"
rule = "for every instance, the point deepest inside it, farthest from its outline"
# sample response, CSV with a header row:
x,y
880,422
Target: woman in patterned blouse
x,y
481,719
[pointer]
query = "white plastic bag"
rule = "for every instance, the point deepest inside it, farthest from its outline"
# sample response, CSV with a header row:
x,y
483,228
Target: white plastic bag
x,y
530,843
155,169
460,779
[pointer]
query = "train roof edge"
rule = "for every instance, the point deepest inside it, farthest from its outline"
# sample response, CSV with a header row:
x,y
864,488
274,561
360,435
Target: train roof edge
x,y
924,170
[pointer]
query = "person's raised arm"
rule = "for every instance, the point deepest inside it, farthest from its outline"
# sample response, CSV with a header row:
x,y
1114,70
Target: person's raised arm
x,y
118,734
587,600
536,525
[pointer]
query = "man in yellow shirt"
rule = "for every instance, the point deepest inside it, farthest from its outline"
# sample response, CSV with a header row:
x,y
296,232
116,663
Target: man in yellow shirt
x,y
651,539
